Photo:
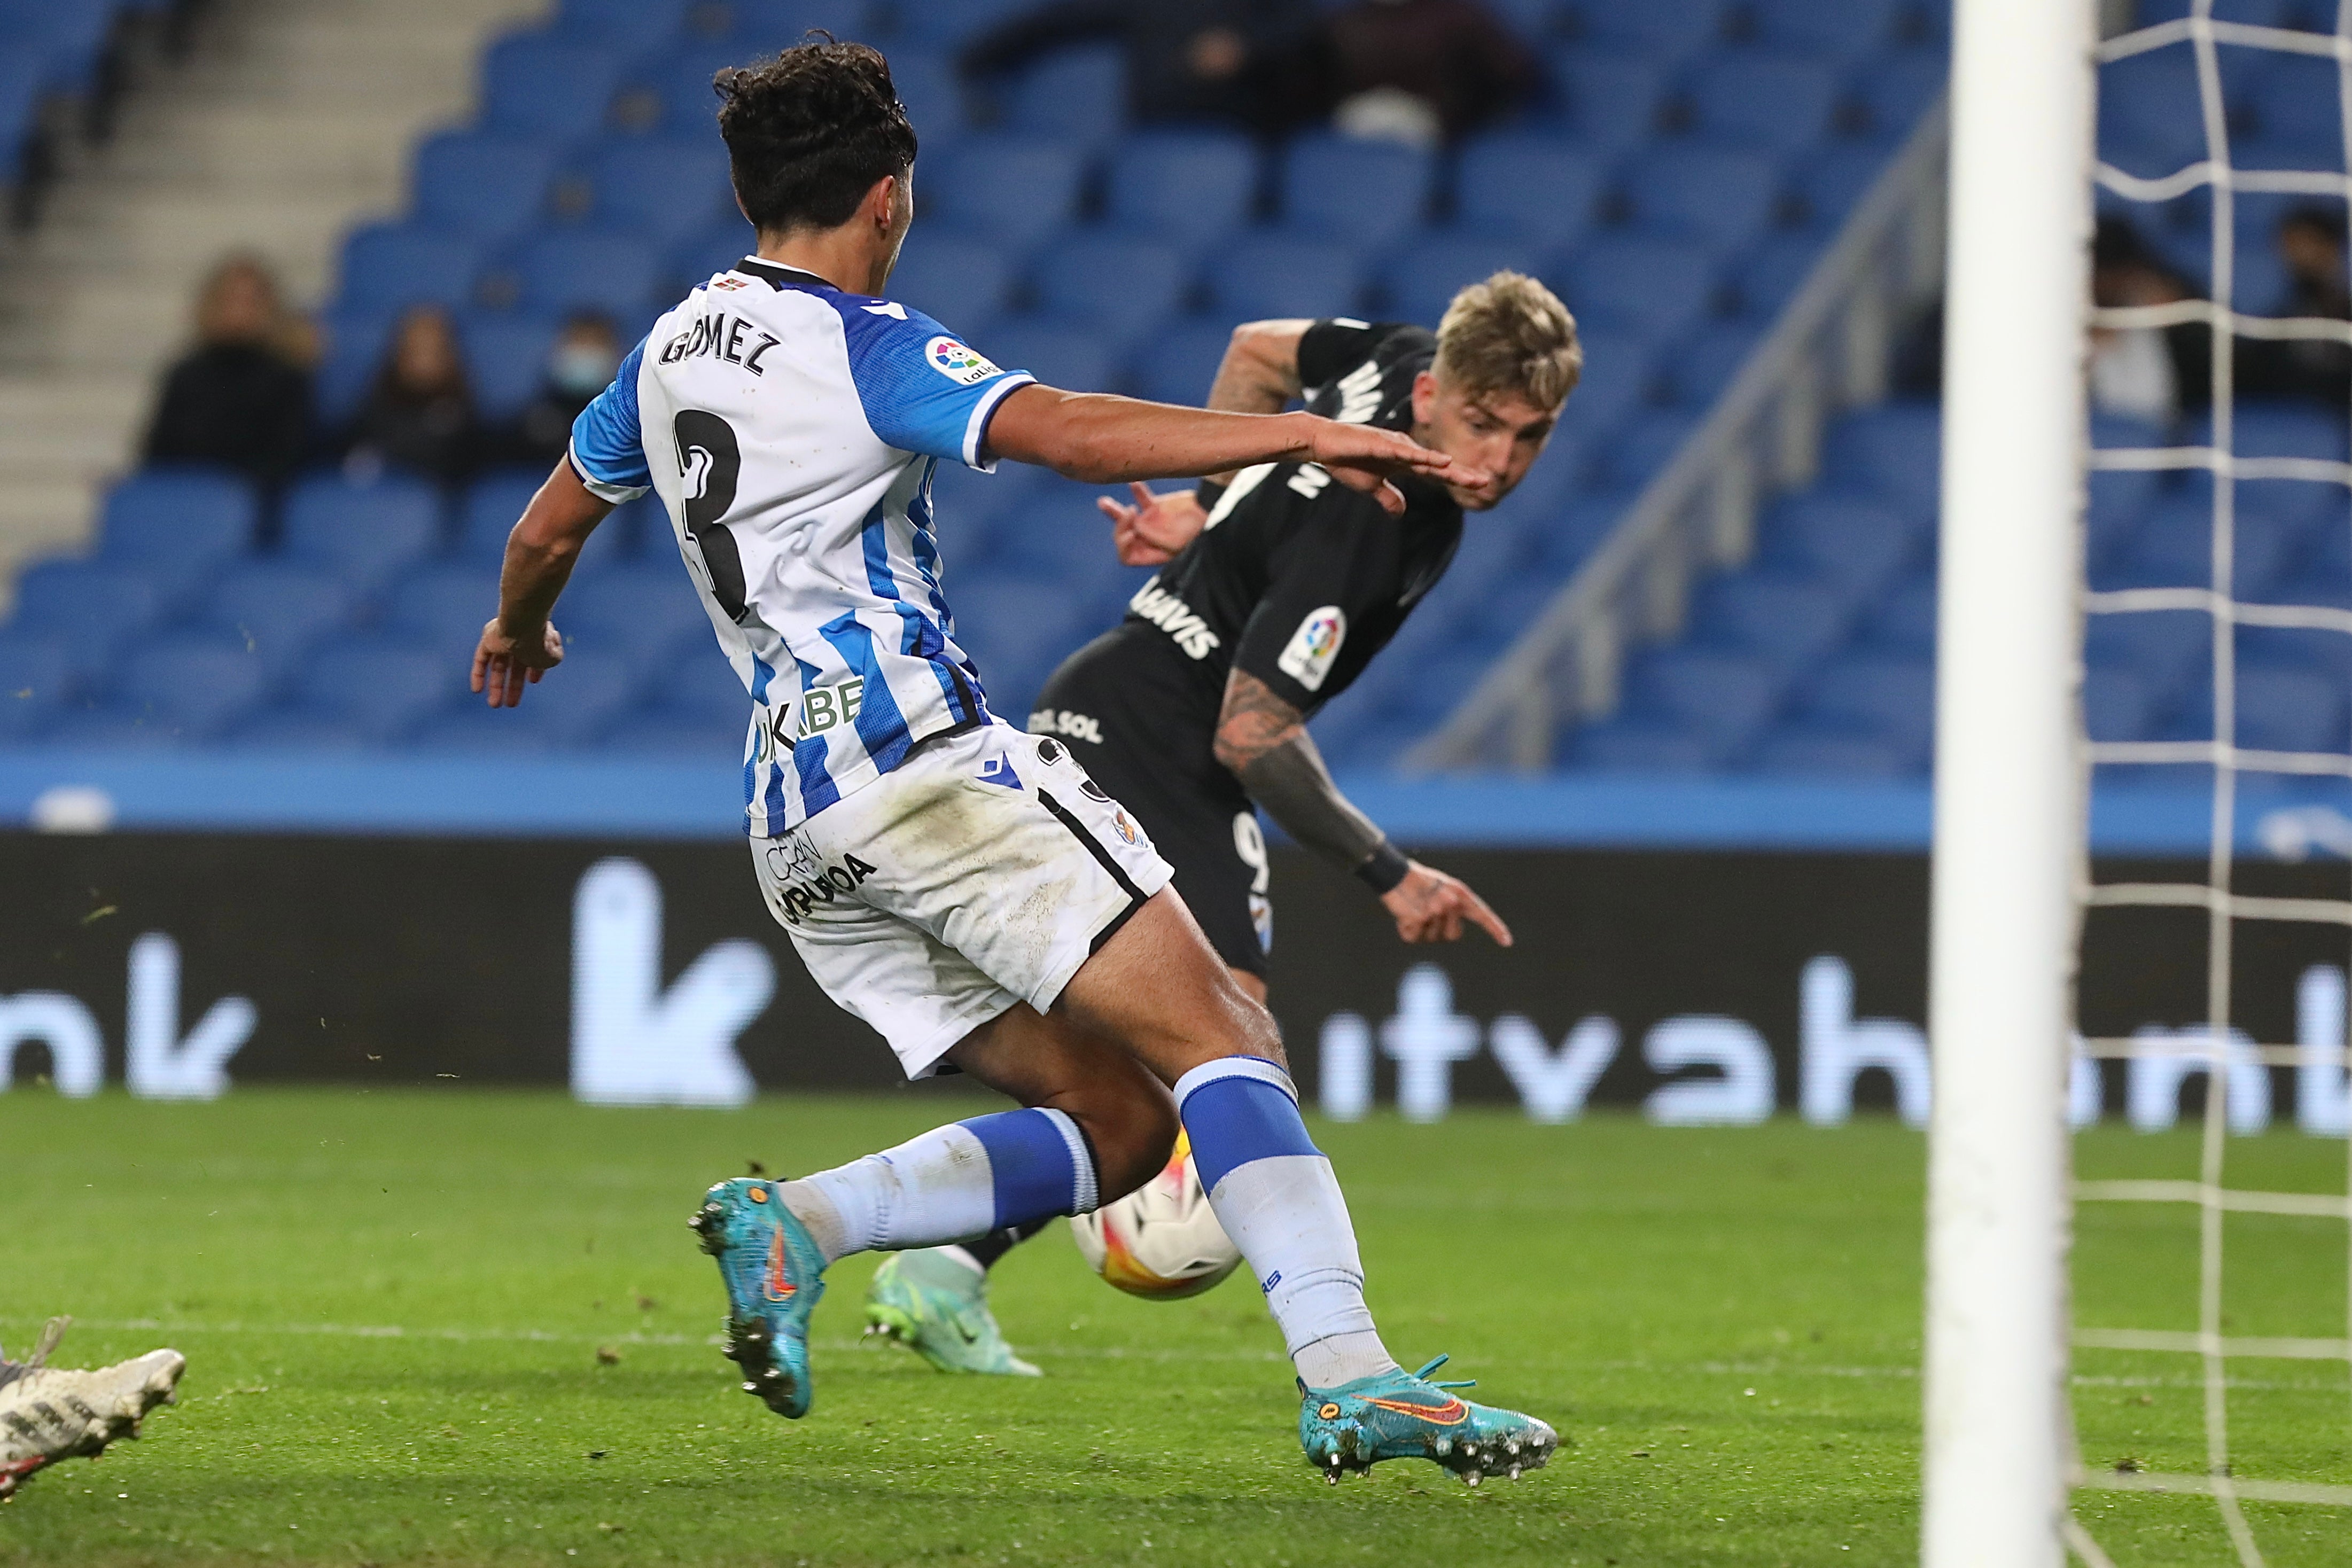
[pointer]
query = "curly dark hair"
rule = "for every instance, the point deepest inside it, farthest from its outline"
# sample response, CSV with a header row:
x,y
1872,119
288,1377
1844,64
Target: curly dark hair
x,y
810,131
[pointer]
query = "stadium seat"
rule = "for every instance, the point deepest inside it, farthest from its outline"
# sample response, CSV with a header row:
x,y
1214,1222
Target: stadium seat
x,y
365,532
444,606
547,87
769,26
1076,94
2296,113
372,691
633,24
2118,706
506,358
715,250
1015,630
646,613
481,186
1056,352
1620,370
1888,93
1361,192
1789,619
186,523
1718,196
1768,279
961,281
186,688
1661,29
1538,188
1189,189
388,266
2151,124
2164,647
1608,100
1273,276
1180,364
1853,540
1636,283
1904,619
2280,429
600,684
2292,710
1766,102
1805,750
1018,189
562,270
1896,447
1419,281
933,93
1119,287
1638,743
36,681
1891,698
701,689
1640,444
101,602
1722,697
663,189
1833,29
1701,367
946,26
279,611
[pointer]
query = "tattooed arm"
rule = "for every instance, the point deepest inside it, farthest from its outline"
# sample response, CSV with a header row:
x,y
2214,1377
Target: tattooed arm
x,y
1263,741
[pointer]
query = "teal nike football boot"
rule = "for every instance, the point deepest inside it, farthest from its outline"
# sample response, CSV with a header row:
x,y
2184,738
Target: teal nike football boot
x,y
774,1277
1395,1416
938,1308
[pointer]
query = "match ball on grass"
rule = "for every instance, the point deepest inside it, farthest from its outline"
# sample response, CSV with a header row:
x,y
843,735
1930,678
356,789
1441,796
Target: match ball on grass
x,y
1162,1240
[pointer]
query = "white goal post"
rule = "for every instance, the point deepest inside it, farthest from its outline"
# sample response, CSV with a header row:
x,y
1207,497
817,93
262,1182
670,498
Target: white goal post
x,y
2009,816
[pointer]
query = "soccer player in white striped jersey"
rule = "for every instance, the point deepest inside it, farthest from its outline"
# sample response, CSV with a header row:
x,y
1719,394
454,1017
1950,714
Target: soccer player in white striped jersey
x,y
960,885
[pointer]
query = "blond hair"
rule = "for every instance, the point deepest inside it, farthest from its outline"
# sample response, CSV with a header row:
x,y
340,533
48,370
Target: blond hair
x,y
1510,334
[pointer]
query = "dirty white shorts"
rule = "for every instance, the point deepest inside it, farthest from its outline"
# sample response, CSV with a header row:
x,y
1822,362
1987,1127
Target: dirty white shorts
x,y
980,873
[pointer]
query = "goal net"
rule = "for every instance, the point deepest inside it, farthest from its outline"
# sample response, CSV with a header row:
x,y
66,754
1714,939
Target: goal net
x,y
2213,1360
2154,1361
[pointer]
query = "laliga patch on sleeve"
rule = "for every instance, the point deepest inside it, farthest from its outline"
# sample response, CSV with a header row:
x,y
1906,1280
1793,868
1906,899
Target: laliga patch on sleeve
x,y
1312,648
965,367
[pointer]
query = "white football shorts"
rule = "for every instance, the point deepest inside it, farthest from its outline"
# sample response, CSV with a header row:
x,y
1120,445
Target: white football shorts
x,y
982,871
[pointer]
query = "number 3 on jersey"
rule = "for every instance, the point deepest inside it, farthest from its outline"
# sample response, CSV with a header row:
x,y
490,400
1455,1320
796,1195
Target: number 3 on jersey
x,y
711,459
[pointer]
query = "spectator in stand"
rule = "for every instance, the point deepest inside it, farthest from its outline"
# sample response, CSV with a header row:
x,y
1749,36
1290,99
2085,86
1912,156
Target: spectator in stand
x,y
2146,372
1421,71
580,365
241,397
1218,62
2310,243
419,416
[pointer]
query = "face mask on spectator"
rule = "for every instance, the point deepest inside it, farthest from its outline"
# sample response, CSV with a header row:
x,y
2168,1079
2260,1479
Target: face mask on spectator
x,y
582,369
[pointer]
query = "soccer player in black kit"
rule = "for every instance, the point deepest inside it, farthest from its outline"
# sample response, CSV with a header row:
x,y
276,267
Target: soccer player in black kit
x,y
1276,586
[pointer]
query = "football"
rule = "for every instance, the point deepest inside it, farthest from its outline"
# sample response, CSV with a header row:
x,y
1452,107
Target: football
x,y
1162,1240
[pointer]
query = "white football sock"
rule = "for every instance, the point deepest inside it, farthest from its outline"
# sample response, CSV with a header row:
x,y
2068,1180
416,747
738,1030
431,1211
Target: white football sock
x,y
1276,1196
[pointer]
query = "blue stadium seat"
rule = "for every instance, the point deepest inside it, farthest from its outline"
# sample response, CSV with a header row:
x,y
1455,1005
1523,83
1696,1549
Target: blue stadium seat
x,y
352,355
1180,364
1791,620
1824,188
371,691
20,101
365,532
1017,188
1609,100
1534,187
37,681
962,280
389,266
1724,698
185,523
768,26
2301,13
1889,92
1806,750
561,270
1661,29
94,601
279,611
684,101
487,511
1358,192
635,25
1419,281
485,187
2150,121
506,358
1015,630
948,22
1640,444
1778,103
2163,647
1619,368
2278,429
2119,704
1189,188
1773,270
1904,619
1076,95
1272,276
1897,447
1891,698
594,689
646,613
1702,365
186,688
1637,283
444,606
1855,541
661,188
927,85
1120,287
2296,113
2292,710
713,251
1719,197
701,689
1638,743
546,87
1056,353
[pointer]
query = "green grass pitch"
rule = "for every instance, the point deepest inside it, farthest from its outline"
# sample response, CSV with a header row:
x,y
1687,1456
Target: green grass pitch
x,y
394,1305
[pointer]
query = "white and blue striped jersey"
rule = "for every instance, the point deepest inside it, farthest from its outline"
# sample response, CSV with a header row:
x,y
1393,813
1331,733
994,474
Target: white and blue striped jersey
x,y
791,431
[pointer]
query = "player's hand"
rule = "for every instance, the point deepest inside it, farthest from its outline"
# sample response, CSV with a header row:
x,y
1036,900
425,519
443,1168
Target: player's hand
x,y
1430,906
504,665
1363,458
1155,529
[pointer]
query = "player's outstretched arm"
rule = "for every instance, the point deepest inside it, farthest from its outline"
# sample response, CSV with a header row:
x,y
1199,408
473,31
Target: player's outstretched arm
x,y
1263,741
519,644
1102,439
